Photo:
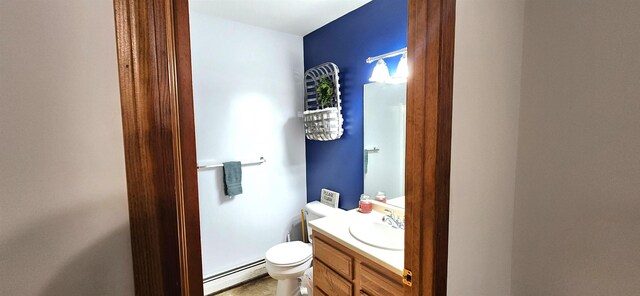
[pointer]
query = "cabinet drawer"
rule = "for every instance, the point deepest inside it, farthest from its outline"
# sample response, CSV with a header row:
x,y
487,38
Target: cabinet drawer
x,y
330,282
318,292
376,284
337,260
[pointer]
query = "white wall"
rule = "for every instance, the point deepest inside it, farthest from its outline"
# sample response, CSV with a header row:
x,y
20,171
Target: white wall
x,y
247,92
577,209
64,227
486,98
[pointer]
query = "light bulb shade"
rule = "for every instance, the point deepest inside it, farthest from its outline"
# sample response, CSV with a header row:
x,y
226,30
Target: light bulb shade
x,y
402,71
380,72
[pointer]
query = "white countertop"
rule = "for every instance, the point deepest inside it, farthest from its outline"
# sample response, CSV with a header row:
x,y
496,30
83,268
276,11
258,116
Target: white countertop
x,y
336,227
398,202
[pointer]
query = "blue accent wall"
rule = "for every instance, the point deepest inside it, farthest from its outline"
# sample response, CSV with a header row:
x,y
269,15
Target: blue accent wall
x,y
373,29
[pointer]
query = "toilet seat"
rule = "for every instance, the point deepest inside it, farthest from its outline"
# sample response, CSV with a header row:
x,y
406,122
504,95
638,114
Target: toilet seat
x,y
289,254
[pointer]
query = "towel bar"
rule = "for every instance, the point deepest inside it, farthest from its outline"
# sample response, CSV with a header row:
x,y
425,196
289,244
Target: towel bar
x,y
219,165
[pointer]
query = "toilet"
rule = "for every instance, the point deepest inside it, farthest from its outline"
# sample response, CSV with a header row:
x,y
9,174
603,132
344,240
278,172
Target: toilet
x,y
286,262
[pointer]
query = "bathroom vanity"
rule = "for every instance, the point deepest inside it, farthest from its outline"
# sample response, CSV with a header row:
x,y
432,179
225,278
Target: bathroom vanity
x,y
343,265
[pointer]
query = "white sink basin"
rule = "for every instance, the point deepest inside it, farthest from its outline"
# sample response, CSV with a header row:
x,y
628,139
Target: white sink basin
x,y
378,234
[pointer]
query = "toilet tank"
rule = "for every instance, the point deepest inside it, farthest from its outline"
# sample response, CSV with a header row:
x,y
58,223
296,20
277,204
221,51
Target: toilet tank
x,y
316,210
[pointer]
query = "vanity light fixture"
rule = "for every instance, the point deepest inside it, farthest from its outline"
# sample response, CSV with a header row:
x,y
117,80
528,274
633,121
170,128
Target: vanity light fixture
x,y
402,71
381,72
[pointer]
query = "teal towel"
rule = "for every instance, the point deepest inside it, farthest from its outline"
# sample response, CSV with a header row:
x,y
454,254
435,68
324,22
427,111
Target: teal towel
x,y
232,178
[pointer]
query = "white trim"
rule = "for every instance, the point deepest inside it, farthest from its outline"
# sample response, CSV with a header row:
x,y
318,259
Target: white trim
x,y
218,284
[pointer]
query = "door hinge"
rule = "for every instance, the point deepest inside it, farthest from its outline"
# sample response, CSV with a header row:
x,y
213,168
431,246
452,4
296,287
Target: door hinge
x,y
407,276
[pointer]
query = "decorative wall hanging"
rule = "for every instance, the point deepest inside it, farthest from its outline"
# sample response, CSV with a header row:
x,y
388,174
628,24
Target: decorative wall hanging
x,y
322,104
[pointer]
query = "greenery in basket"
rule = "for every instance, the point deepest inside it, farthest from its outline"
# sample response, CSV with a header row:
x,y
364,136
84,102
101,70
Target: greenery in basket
x,y
325,92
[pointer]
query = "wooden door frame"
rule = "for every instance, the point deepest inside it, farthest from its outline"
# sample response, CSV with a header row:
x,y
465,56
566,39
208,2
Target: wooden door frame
x,y
430,45
154,63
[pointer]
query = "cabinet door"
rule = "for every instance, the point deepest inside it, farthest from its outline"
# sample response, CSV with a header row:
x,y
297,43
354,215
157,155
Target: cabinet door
x,y
336,260
376,284
329,281
318,292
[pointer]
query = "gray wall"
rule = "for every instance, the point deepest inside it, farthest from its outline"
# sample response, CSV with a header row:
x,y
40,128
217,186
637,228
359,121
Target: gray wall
x,y
577,207
64,227
486,97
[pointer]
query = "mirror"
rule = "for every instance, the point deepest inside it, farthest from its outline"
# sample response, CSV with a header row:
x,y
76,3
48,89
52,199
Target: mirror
x,y
384,140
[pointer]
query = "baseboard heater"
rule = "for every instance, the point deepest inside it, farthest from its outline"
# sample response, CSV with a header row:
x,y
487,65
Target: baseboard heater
x,y
234,276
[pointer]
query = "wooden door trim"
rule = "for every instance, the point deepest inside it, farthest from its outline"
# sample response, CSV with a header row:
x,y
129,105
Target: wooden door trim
x,y
154,64
428,149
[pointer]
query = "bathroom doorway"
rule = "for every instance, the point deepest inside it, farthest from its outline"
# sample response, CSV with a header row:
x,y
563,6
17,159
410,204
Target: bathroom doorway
x,y
157,104
258,75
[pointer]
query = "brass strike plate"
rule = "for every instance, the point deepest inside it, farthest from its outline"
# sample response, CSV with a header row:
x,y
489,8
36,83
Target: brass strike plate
x,y
407,277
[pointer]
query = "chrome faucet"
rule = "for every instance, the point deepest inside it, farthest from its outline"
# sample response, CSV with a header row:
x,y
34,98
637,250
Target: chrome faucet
x,y
393,220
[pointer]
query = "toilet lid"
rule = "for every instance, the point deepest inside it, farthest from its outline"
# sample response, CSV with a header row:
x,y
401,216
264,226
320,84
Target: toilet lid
x,y
321,210
290,253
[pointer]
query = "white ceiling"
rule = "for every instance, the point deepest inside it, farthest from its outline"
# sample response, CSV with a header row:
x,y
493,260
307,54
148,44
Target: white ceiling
x,y
299,17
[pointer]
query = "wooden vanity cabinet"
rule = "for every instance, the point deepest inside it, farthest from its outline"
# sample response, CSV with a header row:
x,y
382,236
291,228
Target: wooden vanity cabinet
x,y
339,271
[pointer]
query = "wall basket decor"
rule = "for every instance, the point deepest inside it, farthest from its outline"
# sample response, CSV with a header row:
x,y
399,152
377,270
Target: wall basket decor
x,y
322,105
